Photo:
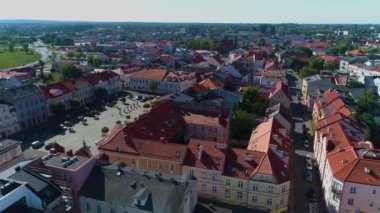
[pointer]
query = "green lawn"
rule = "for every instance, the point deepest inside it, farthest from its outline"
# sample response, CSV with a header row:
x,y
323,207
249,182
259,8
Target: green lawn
x,y
17,58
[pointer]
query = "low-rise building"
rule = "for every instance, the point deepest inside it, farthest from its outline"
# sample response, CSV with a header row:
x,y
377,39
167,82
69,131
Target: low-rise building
x,y
328,104
8,120
280,94
30,104
9,150
56,93
207,125
106,79
141,190
312,87
160,81
81,90
22,190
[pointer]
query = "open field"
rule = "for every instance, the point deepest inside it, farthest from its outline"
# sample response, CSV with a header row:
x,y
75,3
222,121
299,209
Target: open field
x,y
16,58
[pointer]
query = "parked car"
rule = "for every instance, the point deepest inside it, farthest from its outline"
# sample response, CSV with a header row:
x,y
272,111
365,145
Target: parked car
x,y
309,164
37,144
308,176
306,143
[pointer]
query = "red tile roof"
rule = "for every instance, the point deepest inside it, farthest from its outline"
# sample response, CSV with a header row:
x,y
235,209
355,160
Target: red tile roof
x,y
151,74
96,78
211,83
56,90
330,103
356,165
356,52
242,163
280,87
318,45
205,155
205,118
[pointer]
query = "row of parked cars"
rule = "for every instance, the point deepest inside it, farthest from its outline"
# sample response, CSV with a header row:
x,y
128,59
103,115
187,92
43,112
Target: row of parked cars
x,y
308,168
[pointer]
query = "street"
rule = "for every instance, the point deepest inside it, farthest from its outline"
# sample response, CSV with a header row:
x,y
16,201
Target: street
x,y
302,191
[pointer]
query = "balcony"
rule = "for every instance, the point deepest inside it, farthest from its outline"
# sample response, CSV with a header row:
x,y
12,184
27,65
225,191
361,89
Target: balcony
x,y
336,192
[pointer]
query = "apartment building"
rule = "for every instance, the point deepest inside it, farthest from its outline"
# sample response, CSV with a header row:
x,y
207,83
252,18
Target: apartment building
x,y
81,90
56,93
9,150
328,104
8,120
160,81
280,94
108,80
29,102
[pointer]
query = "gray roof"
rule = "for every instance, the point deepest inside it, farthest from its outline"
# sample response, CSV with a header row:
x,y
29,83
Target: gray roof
x,y
56,161
8,144
318,84
161,194
21,92
34,182
279,108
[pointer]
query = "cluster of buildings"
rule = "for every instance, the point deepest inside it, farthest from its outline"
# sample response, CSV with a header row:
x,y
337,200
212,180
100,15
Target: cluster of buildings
x,y
347,163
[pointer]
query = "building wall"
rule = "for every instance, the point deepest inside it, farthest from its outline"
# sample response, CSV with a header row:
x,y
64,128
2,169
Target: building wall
x,y
331,189
365,198
8,121
142,162
32,200
84,93
10,154
208,181
207,132
112,85
31,110
64,100
281,98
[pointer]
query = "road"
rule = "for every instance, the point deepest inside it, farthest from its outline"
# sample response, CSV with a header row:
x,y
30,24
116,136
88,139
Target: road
x,y
299,201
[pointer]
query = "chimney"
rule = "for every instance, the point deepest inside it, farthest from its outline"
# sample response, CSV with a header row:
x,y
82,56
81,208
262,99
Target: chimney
x,y
200,152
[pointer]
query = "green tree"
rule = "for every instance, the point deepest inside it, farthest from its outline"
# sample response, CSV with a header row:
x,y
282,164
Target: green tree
x,y
71,71
306,50
242,124
25,47
316,63
367,101
295,63
11,46
57,108
306,72
74,103
100,92
94,61
104,130
260,107
260,42
153,85
331,65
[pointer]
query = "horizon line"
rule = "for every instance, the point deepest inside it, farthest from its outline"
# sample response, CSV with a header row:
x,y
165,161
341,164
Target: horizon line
x,y
184,22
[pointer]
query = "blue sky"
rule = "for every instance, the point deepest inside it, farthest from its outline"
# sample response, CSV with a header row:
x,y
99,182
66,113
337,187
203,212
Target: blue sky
x,y
226,11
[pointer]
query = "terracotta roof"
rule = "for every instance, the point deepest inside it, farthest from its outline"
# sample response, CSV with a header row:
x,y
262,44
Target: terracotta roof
x,y
330,103
205,155
356,52
151,74
318,45
197,59
211,83
241,163
273,139
197,88
96,78
356,166
280,87
205,118
52,91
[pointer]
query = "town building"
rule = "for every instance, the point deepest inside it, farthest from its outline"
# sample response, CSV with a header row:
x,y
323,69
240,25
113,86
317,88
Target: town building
x,y
160,81
328,104
56,93
9,150
141,190
280,94
312,87
107,80
8,120
30,104
81,90
22,190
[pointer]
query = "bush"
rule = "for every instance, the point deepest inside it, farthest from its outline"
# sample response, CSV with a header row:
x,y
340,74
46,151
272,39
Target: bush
x,y
105,130
128,116
146,105
68,124
118,122
123,99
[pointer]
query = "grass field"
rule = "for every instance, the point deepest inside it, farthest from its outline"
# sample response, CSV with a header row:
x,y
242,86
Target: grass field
x,y
16,58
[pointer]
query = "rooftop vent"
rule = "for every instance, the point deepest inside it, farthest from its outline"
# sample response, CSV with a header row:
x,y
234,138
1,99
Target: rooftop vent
x,y
220,145
177,154
367,170
247,157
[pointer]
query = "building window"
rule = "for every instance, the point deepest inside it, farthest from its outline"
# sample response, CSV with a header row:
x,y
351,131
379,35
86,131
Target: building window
x,y
99,209
214,189
160,165
254,187
254,199
204,187
269,201
374,191
227,193
149,164
282,201
350,202
240,184
214,176
240,195
204,174
371,204
270,189
191,172
283,189
112,210
228,183
172,167
133,161
353,190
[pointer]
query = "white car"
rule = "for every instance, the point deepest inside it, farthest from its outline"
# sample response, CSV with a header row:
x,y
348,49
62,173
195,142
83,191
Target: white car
x,y
309,164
